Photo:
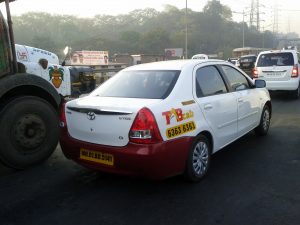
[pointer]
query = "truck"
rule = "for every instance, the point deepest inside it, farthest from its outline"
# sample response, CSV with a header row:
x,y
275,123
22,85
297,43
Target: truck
x,y
32,86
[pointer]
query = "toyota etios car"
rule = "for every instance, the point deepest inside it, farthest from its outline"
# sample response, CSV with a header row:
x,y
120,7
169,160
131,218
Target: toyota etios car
x,y
164,118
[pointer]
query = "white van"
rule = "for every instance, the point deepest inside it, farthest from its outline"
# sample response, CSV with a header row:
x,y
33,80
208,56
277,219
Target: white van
x,y
280,70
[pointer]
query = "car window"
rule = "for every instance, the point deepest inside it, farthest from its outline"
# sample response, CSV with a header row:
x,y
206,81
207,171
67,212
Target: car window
x,y
236,79
209,82
276,59
150,84
248,59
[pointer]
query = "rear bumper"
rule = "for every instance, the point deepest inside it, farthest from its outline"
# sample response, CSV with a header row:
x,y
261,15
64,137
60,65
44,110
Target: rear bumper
x,y
289,85
155,161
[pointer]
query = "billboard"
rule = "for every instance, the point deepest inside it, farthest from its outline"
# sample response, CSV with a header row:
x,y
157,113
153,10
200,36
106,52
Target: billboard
x,y
173,52
91,58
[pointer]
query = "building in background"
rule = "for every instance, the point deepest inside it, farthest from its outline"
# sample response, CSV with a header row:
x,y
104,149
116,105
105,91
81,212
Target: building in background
x,y
137,59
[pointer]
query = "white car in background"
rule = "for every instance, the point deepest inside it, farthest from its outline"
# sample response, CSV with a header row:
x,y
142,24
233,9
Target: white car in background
x,y
164,118
234,61
200,56
280,70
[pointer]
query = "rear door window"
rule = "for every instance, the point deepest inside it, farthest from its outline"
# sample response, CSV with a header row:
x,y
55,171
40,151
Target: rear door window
x,y
247,62
248,59
276,59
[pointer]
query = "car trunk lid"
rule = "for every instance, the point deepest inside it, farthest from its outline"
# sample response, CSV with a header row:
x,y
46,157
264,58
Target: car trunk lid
x,y
103,120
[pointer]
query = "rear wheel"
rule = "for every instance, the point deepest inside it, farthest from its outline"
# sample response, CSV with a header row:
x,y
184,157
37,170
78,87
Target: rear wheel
x,y
263,127
296,93
199,159
28,132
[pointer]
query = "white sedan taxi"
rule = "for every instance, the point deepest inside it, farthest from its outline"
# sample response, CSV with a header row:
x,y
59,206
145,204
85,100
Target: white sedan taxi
x,y
165,118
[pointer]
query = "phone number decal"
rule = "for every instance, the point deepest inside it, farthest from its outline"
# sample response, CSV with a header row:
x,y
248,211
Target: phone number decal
x,y
180,129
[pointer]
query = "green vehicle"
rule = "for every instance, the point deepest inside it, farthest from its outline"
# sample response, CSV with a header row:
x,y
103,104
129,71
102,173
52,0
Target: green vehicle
x,y
32,87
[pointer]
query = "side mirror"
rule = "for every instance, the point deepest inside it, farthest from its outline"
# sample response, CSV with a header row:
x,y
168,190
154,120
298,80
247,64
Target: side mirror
x,y
66,50
260,83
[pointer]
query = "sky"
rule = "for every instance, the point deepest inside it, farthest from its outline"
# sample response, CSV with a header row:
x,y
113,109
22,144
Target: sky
x,y
288,10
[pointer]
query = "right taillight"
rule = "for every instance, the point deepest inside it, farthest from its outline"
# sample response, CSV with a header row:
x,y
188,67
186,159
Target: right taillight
x,y
62,115
254,73
144,129
295,72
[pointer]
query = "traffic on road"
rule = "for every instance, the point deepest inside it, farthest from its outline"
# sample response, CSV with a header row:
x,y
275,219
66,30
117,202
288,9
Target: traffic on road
x,y
164,134
252,181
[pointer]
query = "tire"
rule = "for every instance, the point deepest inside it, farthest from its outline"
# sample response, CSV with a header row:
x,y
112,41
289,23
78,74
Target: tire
x,y
296,93
28,133
199,158
264,124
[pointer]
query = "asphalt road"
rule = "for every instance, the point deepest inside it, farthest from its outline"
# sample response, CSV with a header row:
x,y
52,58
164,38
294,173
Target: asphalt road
x,y
252,181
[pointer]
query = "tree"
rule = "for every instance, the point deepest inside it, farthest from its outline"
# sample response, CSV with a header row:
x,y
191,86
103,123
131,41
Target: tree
x,y
215,9
155,41
145,31
129,41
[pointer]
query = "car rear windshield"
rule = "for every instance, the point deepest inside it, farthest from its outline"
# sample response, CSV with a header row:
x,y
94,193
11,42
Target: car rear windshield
x,y
248,59
276,59
139,84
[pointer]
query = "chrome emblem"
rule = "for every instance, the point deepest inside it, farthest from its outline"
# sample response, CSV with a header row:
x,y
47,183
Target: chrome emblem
x,y
91,115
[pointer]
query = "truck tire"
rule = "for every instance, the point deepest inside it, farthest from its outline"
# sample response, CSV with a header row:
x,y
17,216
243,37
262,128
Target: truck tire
x,y
29,131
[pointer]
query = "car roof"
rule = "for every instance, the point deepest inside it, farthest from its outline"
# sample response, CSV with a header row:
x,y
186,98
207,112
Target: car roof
x,y
171,64
279,51
244,56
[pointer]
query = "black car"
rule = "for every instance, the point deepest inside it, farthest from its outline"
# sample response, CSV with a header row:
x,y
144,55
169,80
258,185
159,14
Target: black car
x,y
247,63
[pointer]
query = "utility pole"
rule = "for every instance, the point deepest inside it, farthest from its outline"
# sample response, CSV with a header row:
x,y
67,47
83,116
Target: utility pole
x,y
275,19
186,31
252,12
243,28
243,13
257,16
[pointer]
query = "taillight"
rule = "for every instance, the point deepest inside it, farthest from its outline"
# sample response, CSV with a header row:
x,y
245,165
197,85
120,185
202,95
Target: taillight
x,y
144,129
295,71
62,115
254,73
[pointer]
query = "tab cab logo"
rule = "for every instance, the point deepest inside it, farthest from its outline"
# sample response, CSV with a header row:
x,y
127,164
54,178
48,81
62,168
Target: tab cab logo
x,y
178,114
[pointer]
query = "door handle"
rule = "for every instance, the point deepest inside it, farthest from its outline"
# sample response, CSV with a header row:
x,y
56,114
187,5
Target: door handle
x,y
240,100
208,106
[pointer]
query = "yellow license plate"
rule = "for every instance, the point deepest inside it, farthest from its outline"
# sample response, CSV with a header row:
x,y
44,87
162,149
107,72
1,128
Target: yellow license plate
x,y
98,157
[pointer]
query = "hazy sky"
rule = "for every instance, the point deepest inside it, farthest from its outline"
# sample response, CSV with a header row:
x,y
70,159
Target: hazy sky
x,y
288,14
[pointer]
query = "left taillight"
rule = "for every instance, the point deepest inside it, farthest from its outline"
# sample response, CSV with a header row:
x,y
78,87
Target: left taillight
x,y
295,72
62,115
144,129
254,73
